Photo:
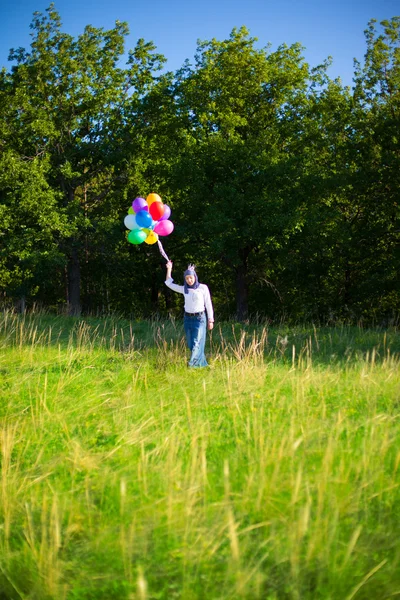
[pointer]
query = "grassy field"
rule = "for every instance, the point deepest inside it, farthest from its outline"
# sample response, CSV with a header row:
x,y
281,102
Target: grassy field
x,y
274,474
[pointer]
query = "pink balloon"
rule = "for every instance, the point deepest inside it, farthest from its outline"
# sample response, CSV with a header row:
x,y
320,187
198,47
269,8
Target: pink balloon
x,y
166,214
164,227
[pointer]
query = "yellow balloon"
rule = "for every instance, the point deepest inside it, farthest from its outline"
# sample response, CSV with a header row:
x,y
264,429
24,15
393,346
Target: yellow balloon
x,y
153,198
152,238
146,230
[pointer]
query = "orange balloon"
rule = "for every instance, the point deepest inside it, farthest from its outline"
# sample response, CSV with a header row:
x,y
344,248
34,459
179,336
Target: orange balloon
x,y
152,238
153,198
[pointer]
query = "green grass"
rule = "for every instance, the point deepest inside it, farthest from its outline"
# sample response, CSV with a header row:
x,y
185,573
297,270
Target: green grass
x,y
273,475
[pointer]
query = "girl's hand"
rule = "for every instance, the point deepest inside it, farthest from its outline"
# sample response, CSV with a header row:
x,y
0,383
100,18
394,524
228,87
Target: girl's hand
x,y
169,265
210,325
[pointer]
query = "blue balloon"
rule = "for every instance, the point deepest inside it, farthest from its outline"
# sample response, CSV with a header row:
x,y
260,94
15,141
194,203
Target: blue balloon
x,y
143,218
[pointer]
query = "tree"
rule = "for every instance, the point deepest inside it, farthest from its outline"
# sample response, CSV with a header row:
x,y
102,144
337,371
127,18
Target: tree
x,y
346,254
70,102
236,177
376,182
28,213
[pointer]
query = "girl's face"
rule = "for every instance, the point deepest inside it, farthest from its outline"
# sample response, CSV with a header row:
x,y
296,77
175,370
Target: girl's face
x,y
190,279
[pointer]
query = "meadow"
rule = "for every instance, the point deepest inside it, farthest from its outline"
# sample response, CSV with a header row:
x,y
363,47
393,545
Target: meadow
x,y
273,474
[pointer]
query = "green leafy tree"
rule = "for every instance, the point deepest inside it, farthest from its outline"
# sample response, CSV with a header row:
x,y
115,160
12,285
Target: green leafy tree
x,y
239,109
28,212
72,105
377,181
344,259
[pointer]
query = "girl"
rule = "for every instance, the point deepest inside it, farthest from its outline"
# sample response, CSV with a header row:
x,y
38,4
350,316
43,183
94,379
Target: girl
x,y
198,312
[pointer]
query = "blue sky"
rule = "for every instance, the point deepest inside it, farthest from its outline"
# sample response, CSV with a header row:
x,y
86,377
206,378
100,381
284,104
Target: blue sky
x,y
324,28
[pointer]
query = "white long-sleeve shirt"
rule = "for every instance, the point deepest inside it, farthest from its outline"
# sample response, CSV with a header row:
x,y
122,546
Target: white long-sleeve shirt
x,y
195,300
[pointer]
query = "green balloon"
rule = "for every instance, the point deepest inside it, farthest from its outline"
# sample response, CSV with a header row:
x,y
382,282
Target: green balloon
x,y
136,236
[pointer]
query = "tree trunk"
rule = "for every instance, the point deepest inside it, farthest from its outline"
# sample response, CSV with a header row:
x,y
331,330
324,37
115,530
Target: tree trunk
x,y
347,291
74,282
20,305
168,299
154,292
242,305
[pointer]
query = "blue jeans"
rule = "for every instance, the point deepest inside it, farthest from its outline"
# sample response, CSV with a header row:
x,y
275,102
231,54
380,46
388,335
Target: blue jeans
x,y
196,330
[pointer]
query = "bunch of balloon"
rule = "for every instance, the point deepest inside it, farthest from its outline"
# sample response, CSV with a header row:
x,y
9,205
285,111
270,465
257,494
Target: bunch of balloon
x,y
147,219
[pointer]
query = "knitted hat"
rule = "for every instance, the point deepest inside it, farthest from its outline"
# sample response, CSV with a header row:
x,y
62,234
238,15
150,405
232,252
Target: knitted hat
x,y
191,270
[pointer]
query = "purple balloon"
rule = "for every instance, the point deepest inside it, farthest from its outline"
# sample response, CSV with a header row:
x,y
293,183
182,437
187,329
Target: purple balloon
x,y
143,218
164,227
140,204
166,214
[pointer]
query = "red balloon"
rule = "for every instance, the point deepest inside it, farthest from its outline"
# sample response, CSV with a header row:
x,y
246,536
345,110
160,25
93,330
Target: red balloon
x,y
156,209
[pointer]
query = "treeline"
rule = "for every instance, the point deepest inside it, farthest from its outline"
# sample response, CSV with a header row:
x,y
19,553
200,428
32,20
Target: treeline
x,y
284,184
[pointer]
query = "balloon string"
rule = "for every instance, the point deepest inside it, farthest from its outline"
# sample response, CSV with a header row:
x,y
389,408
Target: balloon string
x,y
162,251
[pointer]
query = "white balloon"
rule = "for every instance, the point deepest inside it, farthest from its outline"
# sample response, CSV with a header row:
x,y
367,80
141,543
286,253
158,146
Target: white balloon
x,y
130,222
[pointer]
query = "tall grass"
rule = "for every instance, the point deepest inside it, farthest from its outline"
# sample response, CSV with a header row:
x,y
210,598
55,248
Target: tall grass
x,y
274,474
